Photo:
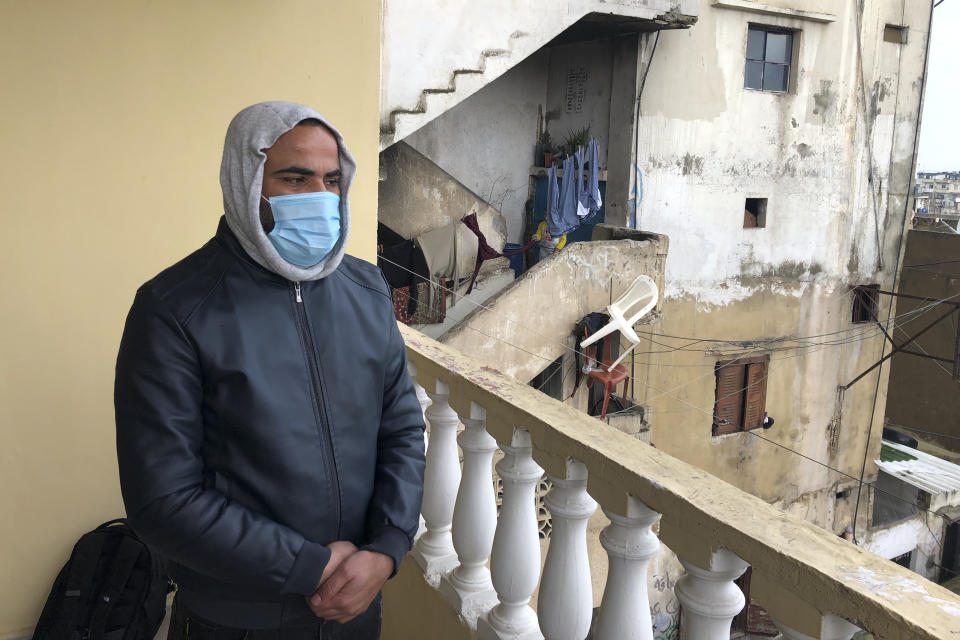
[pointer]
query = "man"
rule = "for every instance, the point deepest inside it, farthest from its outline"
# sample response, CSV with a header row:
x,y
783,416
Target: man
x,y
269,440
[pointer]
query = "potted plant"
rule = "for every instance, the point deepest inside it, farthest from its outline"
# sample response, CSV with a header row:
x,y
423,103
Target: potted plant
x,y
546,148
576,138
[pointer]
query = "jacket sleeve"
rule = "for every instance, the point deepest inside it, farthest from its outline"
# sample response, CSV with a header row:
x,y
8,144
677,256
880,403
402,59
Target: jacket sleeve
x,y
158,403
394,513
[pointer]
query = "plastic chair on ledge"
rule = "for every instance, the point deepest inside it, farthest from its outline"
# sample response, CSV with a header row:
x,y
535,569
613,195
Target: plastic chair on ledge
x,y
637,301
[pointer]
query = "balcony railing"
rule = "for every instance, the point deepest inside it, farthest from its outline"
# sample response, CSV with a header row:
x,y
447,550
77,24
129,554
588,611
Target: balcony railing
x,y
813,583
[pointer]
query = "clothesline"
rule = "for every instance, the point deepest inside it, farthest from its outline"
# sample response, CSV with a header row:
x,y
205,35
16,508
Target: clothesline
x,y
569,204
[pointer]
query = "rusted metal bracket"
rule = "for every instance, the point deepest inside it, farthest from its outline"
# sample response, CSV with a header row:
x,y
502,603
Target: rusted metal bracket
x,y
901,348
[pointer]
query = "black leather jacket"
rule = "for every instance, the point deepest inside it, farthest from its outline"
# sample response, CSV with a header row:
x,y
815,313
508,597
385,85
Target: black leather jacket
x,y
259,420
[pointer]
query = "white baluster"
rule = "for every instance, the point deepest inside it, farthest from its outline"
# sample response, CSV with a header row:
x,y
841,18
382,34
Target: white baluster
x,y
630,543
710,598
422,396
424,401
515,563
468,587
832,628
565,605
434,550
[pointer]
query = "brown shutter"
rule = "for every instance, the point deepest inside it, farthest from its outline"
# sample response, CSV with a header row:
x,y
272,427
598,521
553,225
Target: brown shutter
x,y
728,411
756,395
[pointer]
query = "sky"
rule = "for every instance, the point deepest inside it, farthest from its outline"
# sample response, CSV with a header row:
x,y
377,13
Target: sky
x,y
940,129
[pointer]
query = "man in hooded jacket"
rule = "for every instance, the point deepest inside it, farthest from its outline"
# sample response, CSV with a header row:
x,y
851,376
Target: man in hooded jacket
x,y
269,440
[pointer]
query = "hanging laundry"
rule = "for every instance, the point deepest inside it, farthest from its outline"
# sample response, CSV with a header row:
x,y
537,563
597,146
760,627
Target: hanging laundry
x,y
439,247
582,208
590,197
552,213
566,218
484,250
542,234
403,266
546,244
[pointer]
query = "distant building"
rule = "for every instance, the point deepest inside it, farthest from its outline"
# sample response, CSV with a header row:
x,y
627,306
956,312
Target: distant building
x,y
937,201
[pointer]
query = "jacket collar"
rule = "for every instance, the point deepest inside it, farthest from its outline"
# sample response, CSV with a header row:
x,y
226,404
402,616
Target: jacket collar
x,y
228,240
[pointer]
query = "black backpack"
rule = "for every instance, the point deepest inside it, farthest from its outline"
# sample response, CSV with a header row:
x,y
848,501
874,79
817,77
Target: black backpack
x,y
113,587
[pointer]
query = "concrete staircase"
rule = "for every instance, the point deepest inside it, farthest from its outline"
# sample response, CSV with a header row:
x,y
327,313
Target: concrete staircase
x,y
526,325
437,53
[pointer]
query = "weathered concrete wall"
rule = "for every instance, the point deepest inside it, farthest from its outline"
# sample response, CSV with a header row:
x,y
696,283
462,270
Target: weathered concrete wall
x,y
706,144
417,196
923,394
920,534
487,142
835,168
591,64
525,327
422,47
678,390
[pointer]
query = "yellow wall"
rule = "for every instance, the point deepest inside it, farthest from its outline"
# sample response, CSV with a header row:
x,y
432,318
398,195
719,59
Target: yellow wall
x,y
112,116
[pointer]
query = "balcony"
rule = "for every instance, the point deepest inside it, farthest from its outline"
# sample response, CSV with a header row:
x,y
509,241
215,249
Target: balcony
x,y
473,574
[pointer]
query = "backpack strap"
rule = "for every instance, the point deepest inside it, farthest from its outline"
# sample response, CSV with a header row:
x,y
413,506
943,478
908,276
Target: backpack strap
x,y
83,563
110,523
114,582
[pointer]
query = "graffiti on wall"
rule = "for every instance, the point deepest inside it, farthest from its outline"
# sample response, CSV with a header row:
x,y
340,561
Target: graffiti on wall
x,y
665,608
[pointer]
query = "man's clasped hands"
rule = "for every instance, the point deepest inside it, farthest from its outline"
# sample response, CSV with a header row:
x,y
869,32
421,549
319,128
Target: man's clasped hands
x,y
350,582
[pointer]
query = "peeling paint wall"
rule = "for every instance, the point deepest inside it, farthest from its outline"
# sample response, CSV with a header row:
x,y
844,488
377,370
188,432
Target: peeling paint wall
x,y
920,535
834,164
487,142
835,169
424,44
706,144
525,327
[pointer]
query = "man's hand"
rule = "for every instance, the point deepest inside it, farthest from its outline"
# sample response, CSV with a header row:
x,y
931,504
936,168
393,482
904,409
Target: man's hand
x,y
352,586
339,551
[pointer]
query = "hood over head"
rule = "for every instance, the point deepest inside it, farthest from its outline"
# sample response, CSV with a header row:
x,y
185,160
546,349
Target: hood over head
x,y
252,131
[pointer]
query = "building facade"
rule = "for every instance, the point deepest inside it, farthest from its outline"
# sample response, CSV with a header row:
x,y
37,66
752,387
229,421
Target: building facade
x,y
937,201
773,144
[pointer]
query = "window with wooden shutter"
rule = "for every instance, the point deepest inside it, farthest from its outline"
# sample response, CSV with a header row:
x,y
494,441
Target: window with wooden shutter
x,y
741,394
728,410
755,395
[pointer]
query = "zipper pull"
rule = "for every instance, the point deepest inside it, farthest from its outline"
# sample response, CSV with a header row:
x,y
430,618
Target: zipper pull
x,y
296,287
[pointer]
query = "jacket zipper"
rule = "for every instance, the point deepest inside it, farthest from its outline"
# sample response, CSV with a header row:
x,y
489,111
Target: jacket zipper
x,y
315,377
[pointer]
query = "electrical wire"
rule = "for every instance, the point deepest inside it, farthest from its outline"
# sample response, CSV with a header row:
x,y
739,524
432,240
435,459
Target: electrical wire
x,y
637,195
903,233
930,264
861,333
929,433
859,481
669,392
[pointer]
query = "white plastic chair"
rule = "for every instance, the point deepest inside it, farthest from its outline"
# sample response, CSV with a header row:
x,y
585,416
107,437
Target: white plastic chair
x,y
637,301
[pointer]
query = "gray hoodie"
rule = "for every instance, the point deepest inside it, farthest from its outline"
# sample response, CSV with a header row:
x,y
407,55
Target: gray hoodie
x,y
252,131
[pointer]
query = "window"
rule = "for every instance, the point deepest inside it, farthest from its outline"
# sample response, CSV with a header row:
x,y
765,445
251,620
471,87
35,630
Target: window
x,y
903,560
550,380
741,395
865,303
755,213
895,33
769,56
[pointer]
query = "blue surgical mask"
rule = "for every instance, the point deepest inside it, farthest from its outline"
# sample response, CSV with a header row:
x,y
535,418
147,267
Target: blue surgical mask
x,y
306,226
